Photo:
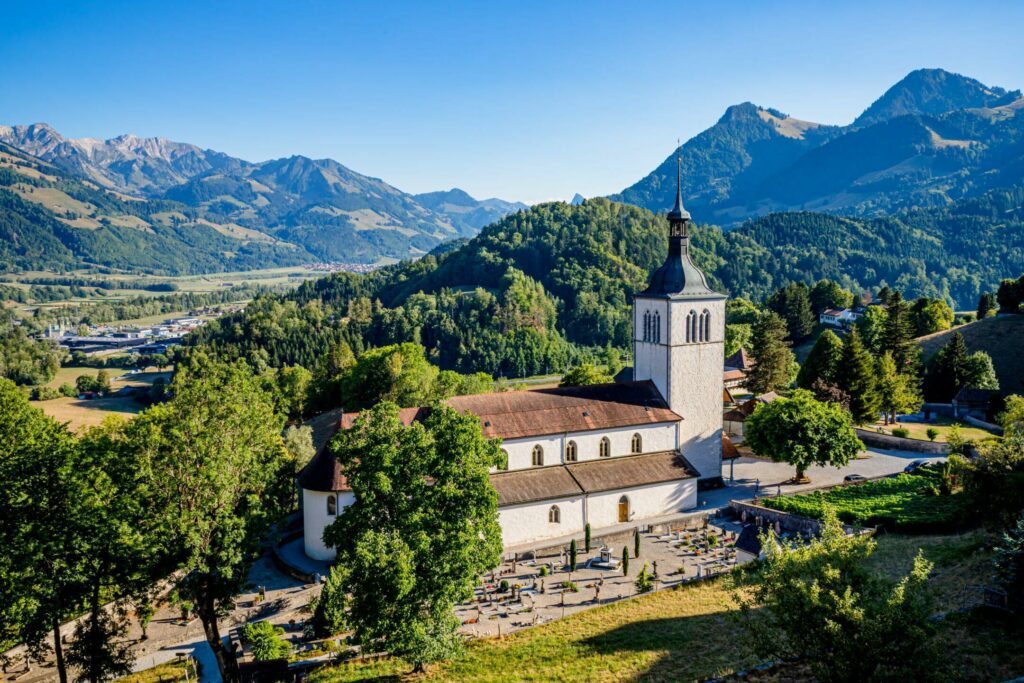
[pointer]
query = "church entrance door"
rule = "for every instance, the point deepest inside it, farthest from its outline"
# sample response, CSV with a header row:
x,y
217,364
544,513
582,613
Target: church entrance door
x,y
623,509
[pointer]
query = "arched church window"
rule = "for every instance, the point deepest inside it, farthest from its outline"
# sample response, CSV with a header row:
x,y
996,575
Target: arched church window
x,y
637,446
705,325
647,326
657,328
332,506
555,515
605,449
538,456
570,451
691,327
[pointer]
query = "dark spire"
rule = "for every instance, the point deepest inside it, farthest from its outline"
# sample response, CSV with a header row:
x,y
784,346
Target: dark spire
x,y
678,213
678,276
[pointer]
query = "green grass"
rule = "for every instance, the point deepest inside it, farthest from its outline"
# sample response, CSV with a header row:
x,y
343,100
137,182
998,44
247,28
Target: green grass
x,y
919,430
900,503
171,671
692,633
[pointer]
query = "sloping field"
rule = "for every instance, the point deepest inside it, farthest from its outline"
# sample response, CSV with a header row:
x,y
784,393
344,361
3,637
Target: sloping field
x,y
1001,337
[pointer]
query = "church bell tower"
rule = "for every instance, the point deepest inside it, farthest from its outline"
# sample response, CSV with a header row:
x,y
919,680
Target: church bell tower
x,y
679,344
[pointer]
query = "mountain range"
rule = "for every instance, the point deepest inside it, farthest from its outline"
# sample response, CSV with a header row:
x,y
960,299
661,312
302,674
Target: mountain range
x,y
932,139
326,211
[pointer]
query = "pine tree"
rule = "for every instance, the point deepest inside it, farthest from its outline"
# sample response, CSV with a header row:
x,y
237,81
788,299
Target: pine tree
x,y
770,351
822,363
793,303
857,379
986,305
947,371
572,555
897,337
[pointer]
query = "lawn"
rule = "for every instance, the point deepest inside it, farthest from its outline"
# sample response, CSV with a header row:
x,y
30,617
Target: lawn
x,y
692,633
905,502
171,671
919,430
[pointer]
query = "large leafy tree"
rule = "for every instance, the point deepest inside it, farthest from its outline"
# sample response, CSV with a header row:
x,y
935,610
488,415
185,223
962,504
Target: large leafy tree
x,y
828,294
930,315
215,474
819,602
857,379
822,364
897,392
400,374
582,375
802,431
775,363
422,528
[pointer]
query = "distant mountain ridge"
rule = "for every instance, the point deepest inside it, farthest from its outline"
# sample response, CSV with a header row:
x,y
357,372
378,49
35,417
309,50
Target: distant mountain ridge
x,y
930,140
327,209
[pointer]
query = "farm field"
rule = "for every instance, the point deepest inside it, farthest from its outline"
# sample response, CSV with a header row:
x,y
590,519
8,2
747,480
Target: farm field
x,y
89,413
693,633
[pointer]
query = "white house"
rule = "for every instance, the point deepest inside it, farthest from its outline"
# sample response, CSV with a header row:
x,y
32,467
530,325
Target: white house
x,y
607,455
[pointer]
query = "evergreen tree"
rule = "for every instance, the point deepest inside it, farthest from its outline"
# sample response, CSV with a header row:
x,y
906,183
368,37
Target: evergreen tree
x,y
572,555
769,349
981,374
896,337
822,362
828,294
986,305
947,371
857,379
636,543
794,305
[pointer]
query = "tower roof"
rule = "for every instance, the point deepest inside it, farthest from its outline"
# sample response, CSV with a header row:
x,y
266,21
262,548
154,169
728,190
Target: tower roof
x,y
678,276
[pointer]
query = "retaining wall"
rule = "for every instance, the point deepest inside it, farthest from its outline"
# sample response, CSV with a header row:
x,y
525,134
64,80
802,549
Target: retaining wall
x,y
888,441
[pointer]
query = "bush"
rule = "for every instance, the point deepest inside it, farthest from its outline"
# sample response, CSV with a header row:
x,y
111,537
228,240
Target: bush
x,y
570,587
644,581
901,432
68,389
544,570
44,394
932,433
503,586
265,641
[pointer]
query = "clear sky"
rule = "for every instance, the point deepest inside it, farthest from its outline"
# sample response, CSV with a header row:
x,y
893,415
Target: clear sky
x,y
521,100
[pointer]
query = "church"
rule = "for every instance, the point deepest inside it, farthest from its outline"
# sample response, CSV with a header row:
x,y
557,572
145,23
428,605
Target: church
x,y
609,455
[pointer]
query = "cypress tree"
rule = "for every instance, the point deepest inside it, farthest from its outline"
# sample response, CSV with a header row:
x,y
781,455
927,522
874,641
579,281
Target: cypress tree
x,y
770,350
857,378
572,555
823,361
636,543
625,561
586,536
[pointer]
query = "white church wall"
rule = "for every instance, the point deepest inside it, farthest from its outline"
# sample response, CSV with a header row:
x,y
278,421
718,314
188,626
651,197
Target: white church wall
x,y
650,361
528,522
315,519
520,451
659,437
644,502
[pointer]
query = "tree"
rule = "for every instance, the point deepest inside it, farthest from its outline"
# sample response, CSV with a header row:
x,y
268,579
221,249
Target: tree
x,y
986,305
331,606
625,561
737,336
820,603
636,543
293,391
802,431
932,433
572,555
822,362
1010,295
775,362
930,315
217,476
828,294
582,375
871,327
897,392
980,373
740,311
793,304
947,371
298,441
38,587
644,581
423,527
399,374
857,379
1010,564
897,335
586,537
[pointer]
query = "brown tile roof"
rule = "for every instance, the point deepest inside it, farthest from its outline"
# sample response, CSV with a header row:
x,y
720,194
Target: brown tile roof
x,y
538,412
323,473
609,474
730,374
729,450
747,408
541,483
739,360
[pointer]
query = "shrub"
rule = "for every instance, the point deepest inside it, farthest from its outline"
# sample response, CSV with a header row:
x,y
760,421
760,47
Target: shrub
x,y
265,641
570,586
644,581
712,540
901,432
44,394
932,433
68,389
503,586
544,570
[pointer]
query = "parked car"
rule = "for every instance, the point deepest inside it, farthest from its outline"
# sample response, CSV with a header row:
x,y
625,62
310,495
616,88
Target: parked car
x,y
854,477
914,465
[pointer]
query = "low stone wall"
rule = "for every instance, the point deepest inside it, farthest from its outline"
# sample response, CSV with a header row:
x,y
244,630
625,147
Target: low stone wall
x,y
981,424
786,520
888,441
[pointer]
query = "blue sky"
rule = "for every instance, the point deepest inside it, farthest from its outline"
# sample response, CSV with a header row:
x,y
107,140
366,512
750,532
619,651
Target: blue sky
x,y
522,100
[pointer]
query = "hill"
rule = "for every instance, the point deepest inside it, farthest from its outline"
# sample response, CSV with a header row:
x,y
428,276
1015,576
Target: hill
x,y
535,290
1000,337
326,209
52,220
932,139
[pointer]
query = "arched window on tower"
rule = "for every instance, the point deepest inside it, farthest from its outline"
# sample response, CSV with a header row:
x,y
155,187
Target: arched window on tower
x,y
637,445
647,326
705,325
332,506
657,328
538,456
691,327
554,515
570,451
605,449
